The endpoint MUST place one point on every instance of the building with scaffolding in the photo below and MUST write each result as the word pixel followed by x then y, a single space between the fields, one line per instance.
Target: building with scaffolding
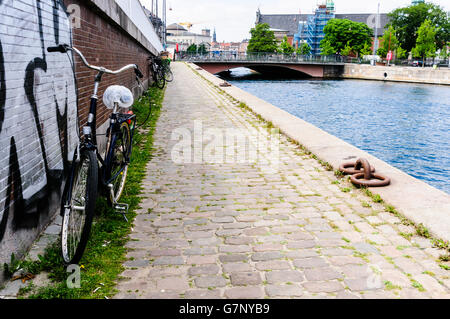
pixel 311 32
pixel 308 28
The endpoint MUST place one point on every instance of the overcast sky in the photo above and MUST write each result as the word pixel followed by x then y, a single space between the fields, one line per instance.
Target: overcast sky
pixel 234 18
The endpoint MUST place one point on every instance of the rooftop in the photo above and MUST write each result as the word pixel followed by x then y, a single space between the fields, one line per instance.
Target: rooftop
pixel 176 26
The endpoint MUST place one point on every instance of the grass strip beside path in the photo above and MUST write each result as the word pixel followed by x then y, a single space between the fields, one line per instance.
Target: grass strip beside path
pixel 102 262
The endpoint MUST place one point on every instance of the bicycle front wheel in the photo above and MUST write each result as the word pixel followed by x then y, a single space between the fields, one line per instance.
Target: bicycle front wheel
pixel 121 152
pixel 168 74
pixel 160 79
pixel 79 207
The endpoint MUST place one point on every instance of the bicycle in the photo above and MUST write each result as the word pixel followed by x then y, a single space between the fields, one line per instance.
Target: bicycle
pixel 168 75
pixel 159 78
pixel 86 175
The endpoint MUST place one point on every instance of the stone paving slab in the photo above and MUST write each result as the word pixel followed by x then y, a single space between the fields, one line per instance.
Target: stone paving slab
pixel 49 236
pixel 231 228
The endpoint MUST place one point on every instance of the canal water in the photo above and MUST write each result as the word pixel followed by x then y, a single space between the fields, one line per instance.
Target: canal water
pixel 406 125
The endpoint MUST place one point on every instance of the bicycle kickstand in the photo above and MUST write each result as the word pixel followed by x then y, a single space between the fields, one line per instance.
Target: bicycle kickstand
pixel 120 208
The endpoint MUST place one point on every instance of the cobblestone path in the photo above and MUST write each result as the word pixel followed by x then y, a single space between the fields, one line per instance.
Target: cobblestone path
pixel 244 230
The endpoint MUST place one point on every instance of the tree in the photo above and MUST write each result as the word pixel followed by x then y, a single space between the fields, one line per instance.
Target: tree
pixel 389 42
pixel 401 53
pixel 304 49
pixel 327 48
pixel 367 49
pixel 286 47
pixel 426 42
pixel 406 21
pixel 262 40
pixel 347 50
pixel 192 48
pixel 445 52
pixel 345 36
pixel 382 52
pixel 202 49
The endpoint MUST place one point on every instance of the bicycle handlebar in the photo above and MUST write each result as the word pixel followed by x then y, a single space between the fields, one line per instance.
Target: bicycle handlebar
pixel 60 48
pixel 63 48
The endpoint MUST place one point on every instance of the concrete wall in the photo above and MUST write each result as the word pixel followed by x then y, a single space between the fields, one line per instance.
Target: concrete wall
pixel 43 101
pixel 400 74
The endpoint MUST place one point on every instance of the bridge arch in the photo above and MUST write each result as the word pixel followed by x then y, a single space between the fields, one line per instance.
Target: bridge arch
pixel 306 70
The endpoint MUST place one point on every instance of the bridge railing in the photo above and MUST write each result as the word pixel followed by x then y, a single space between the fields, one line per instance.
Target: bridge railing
pixel 257 57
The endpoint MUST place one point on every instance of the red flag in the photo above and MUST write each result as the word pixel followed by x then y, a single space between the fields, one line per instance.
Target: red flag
pixel 389 56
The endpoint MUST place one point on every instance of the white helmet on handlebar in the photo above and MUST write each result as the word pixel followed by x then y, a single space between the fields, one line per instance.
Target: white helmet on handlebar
pixel 118 94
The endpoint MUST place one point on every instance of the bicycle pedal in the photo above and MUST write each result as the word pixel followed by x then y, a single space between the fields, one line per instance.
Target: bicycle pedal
pixel 121 209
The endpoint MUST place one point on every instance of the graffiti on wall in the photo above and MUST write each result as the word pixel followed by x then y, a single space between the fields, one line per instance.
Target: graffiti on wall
pixel 38 109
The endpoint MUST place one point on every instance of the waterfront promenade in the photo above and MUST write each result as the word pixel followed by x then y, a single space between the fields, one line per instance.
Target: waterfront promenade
pixel 279 227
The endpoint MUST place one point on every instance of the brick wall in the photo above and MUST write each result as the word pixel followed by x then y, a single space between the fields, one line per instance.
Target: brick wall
pixel 43 102
pixel 105 44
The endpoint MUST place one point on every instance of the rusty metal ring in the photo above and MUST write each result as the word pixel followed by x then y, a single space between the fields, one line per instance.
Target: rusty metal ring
pixel 362 162
pixel 377 181
pixel 349 169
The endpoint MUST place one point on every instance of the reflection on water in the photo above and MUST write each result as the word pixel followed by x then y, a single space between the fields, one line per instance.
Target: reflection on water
pixel 404 124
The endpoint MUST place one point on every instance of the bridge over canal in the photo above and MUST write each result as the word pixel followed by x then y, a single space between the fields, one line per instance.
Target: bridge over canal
pixel 306 66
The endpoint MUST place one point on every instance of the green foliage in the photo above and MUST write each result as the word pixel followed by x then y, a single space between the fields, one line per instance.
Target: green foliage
pixel 262 40
pixel 347 50
pixel 327 48
pixel 407 21
pixel 304 49
pixel 426 41
pixel 192 48
pixel 286 47
pixel 367 49
pixel 401 53
pixel 202 49
pixel 422 231
pixel 389 41
pixel 382 52
pixel 345 36
pixel 444 54
pixel 13 266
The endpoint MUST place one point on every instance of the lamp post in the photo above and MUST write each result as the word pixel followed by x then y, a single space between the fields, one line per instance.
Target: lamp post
pixel 375 42
pixel 165 24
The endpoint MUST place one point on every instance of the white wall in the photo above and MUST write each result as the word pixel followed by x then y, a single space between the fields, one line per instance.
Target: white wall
pixel 134 10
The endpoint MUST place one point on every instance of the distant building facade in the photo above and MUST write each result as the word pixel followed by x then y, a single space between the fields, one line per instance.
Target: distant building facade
pixel 243 47
pixel 225 47
pixel 179 37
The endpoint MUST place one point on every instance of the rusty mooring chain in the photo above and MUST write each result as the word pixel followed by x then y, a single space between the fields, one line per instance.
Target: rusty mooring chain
pixel 363 174
pixel 224 84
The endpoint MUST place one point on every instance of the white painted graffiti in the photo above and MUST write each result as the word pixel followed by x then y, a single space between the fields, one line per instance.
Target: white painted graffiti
pixel 38 107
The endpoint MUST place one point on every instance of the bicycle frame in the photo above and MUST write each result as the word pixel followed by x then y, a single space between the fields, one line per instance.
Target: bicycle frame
pixel 90 130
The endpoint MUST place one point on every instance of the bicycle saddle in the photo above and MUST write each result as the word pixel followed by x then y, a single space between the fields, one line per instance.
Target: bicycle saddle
pixel 117 94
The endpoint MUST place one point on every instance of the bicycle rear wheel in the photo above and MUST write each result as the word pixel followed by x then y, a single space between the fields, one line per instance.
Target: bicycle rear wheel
pixel 120 151
pixel 79 207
